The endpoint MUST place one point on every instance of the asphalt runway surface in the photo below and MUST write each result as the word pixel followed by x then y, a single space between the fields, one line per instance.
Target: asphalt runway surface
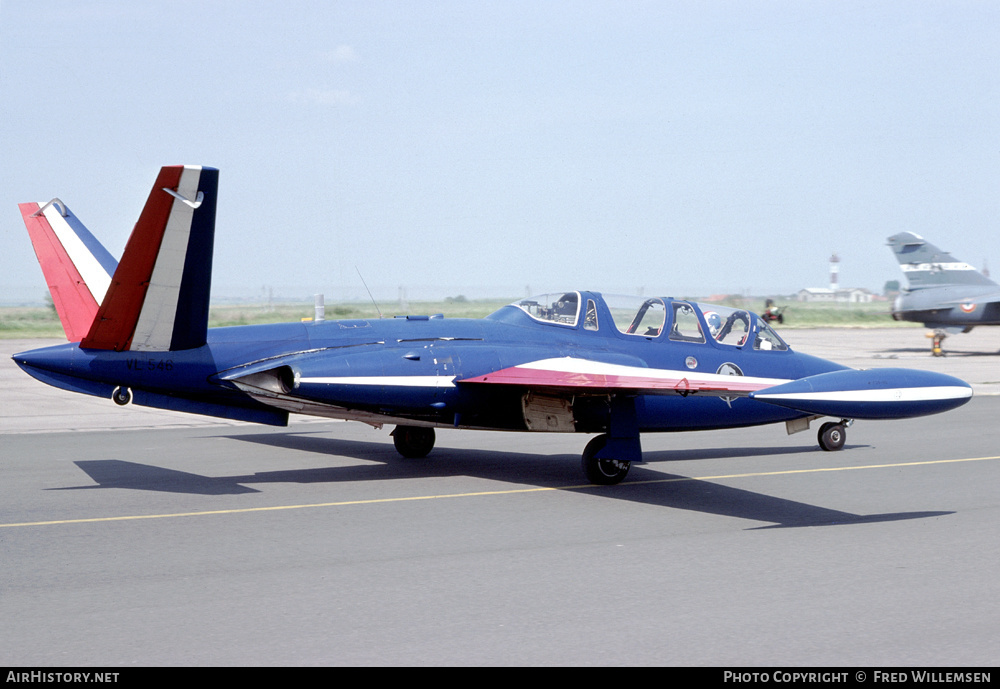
pixel 132 537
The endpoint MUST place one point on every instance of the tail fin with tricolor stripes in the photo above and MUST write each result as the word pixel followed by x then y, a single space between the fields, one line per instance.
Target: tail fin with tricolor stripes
pixel 76 266
pixel 156 297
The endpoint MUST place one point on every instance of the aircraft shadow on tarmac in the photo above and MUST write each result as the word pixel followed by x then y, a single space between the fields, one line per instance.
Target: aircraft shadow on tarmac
pixel 643 486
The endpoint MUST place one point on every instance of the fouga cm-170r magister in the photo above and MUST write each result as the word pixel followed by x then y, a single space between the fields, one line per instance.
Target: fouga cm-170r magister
pixel 574 361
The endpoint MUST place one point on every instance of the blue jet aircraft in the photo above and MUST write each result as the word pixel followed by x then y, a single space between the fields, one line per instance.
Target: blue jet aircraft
pixel 946 295
pixel 574 362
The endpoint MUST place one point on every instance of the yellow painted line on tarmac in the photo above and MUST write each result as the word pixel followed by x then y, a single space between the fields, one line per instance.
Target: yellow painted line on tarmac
pixel 274 508
pixel 512 491
pixel 816 470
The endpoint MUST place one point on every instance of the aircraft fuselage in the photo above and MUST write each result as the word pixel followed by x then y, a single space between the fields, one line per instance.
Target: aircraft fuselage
pixel 405 369
pixel 562 362
pixel 953 306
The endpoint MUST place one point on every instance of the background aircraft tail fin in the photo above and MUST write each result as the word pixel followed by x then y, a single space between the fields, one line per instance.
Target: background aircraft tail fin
pixel 158 296
pixel 76 266
pixel 925 265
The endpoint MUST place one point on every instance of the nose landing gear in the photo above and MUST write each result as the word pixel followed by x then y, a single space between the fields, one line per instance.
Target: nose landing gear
pixel 937 337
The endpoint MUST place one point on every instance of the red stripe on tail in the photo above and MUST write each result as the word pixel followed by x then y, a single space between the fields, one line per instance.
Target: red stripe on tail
pixel 70 295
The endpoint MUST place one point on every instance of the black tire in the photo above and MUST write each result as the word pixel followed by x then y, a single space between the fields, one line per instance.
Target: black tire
pixel 602 472
pixel 413 442
pixel 832 436
pixel 121 396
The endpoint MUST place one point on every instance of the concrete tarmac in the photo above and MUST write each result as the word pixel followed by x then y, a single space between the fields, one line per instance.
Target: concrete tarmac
pixel 152 538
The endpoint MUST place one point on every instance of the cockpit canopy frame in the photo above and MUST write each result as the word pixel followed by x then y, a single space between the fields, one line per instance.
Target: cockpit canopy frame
pixel 653 318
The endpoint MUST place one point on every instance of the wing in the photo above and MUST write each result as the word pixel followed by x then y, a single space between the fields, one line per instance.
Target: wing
pixel 882 393
pixel 584 376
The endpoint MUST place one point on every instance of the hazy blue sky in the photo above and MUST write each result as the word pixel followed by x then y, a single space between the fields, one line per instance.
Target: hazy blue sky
pixel 481 148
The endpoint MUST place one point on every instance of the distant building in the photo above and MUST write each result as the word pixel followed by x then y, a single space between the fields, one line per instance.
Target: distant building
pixel 835 293
pixel 857 295
pixel 817 294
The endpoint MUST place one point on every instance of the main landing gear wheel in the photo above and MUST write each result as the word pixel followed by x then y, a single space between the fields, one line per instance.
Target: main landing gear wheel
pixel 413 442
pixel 121 396
pixel 603 472
pixel 832 436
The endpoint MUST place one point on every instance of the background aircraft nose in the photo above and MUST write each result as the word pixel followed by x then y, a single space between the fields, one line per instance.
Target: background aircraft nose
pixel 897 307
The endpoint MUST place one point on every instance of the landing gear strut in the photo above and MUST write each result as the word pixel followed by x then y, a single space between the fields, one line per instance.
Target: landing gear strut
pixel 413 442
pixel 603 472
pixel 937 337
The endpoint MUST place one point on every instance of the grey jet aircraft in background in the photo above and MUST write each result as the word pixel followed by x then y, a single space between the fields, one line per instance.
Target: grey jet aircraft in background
pixel 946 295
